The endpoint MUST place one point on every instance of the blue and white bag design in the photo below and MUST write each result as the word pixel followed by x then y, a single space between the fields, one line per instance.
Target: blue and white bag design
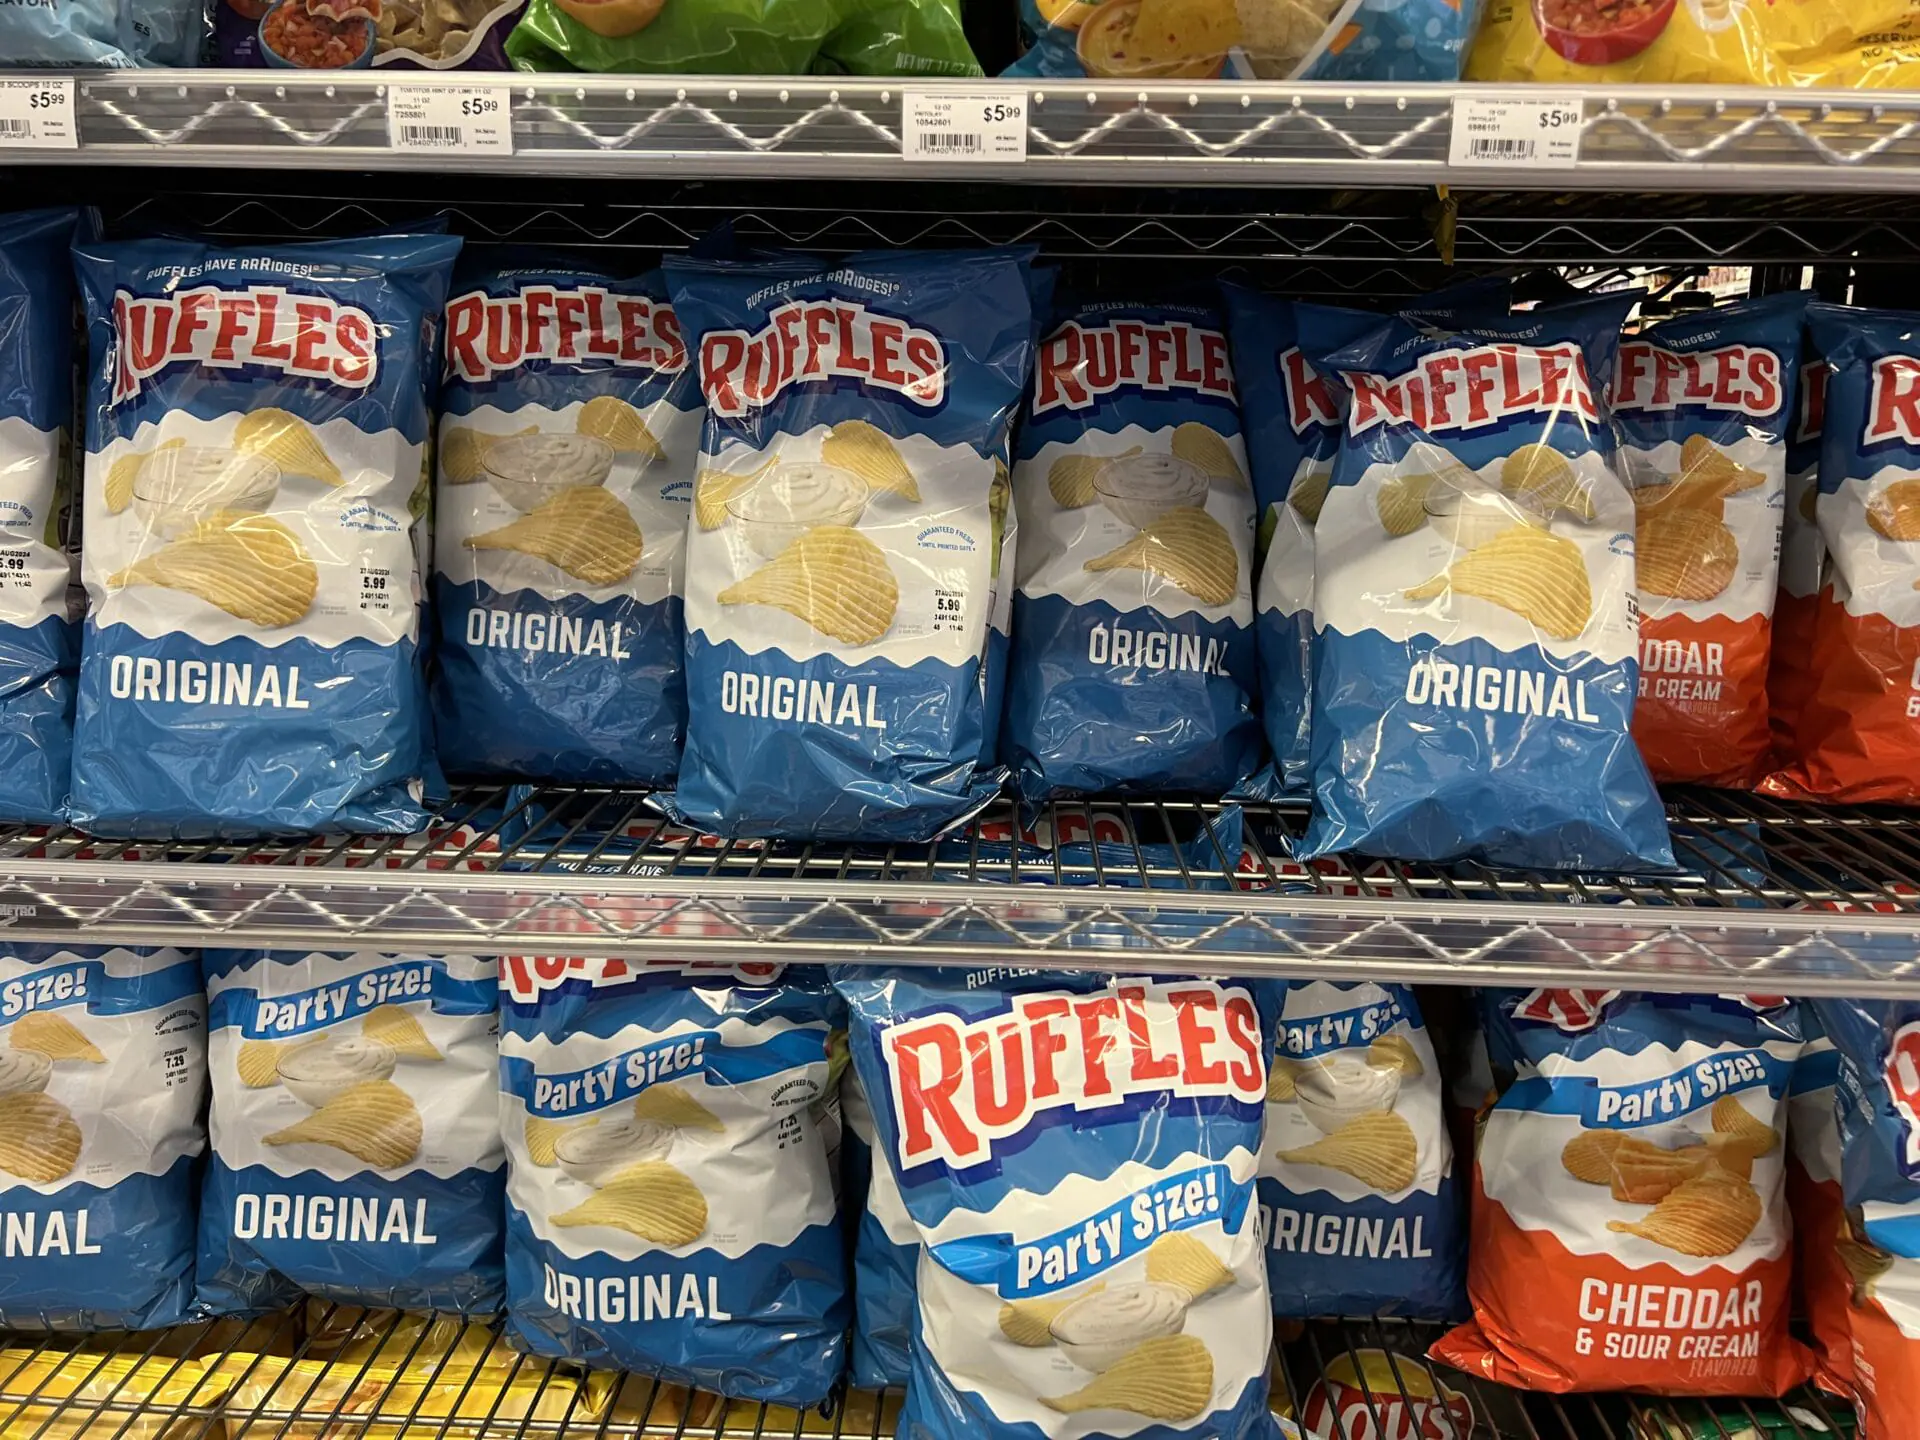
pixel 670 1198
pixel 843 540
pixel 256 465
pixel 886 1258
pixel 1077 1156
pixel 1352 1229
pixel 1476 630
pixel 39 636
pixel 1133 655
pixel 356 1149
pixel 103 1063
pixel 569 430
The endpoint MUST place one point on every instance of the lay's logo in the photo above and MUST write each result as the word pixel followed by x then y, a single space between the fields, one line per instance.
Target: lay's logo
pixel 1310 404
pixel 263 326
pixel 525 978
pixel 1078 363
pixel 1739 379
pixel 1903 1084
pixel 586 324
pixel 959 1086
pixel 1893 412
pixel 1465 389
pixel 808 340
pixel 1569 1010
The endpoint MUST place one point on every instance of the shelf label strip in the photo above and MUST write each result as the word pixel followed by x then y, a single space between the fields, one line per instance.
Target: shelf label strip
pixel 38 114
pixel 1513 132
pixel 966 127
pixel 450 119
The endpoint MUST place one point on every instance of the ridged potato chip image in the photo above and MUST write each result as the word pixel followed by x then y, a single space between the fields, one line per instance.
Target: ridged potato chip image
pixel 1865 1264
pixel 258 1063
pixel 118 491
pixel 1025 1322
pixel 39 1138
pixel 1685 555
pixel 609 418
pixel 1588 1156
pixel 542 1135
pixel 1070 478
pixel 250 566
pixel 1734 1120
pixel 288 441
pixel 832 578
pixel 376 1122
pixel 1309 493
pixel 1645 1174
pixel 1547 477
pixel 1280 1079
pixel 55 1037
pixel 863 448
pixel 1894 513
pixel 583 530
pixel 1705 465
pixel 1706 1217
pixel 393 1027
pixel 1539 576
pixel 1395 1052
pixel 1205 447
pixel 1169 1378
pixel 673 1105
pixel 1178 1258
pixel 712 489
pixel 1378 1149
pixel 651 1200
pixel 1401 502
pixel 1665 499
pixel 463 451
pixel 1187 548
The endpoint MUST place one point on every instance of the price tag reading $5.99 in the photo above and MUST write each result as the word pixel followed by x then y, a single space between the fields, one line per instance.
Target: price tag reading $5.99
pixel 449 119
pixel 38 113
pixel 982 127
pixel 1519 132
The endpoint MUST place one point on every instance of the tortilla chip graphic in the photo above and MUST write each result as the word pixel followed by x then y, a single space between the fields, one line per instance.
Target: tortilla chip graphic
pixel 609 418
pixel 1166 32
pixel 118 491
pixel 863 448
pixel 55 1037
pixel 1025 1322
pixel 375 1122
pixel 288 441
pixel 832 578
pixel 1070 478
pixel 392 1026
pixel 651 1200
pixel 39 1138
pixel 1741 1125
pixel 542 1135
pixel 674 1105
pixel 712 489
pixel 1645 1174
pixel 1280 1078
pixel 1708 1216
pixel 1187 548
pixel 1395 1052
pixel 1169 1378
pixel 250 566
pixel 1309 493
pixel 1894 513
pixel 1378 1149
pixel 1203 446
pixel 1545 476
pixel 1588 1156
pixel 1684 554
pixel 1539 576
pixel 1178 1258
pixel 583 530
pixel 258 1063
pixel 463 451
pixel 1706 466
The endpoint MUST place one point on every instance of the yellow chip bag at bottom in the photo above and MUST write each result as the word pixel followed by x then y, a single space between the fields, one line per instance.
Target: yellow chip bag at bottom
pixel 64 1395
pixel 1705 42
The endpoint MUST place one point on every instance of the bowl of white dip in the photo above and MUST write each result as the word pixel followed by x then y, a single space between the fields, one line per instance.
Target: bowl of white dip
pixel 594 1154
pixel 178 487
pixel 1468 514
pixel 526 471
pixel 1341 1088
pixel 323 1070
pixel 1139 489
pixel 23 1070
pixel 1096 1330
pixel 792 500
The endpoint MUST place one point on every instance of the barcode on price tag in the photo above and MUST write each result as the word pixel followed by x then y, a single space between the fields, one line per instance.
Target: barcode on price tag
pixel 38 113
pixel 450 119
pixel 1523 132
pixel 977 126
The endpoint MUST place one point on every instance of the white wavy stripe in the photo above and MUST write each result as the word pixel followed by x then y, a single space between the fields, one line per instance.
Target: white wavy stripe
pixel 29 467
pixel 577 1049
pixel 1754 517
pixel 1285 583
pixel 1872 574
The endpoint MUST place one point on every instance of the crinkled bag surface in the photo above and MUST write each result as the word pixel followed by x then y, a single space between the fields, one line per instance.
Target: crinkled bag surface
pixel 1822 1234
pixel 256 465
pixel 82 34
pixel 1792 668
pixel 569 434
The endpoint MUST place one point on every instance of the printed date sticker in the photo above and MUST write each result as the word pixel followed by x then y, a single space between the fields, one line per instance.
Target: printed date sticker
pixel 1515 131
pixel 38 113
pixel 450 119
pixel 981 127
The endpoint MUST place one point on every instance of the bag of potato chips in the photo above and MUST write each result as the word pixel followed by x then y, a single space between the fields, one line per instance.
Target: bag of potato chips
pixel 1701 404
pixel 1630 1228
pixel 886 1257
pixel 1823 1287
pixel 1475 655
pixel 1649 42
pixel 1791 674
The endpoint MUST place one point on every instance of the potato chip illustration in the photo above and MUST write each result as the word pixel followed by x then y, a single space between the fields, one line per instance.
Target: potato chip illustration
pixel 583 530
pixel 651 1200
pixel 1685 554
pixel 1401 502
pixel 1280 1079
pixel 55 1037
pixel 1707 1216
pixel 833 578
pixel 1378 1149
pixel 375 1121
pixel 1547 477
pixel 1705 465
pixel 1645 1174
pixel 1895 512
pixel 463 451
pixel 1309 493
pixel 258 1063
pixel 392 1026
pixel 542 1135
pixel 1865 1263
pixel 1167 1378
pixel 1650 500
pixel 1178 1258
pixel 712 489
pixel 1589 1155
pixel 1070 478
pixel 1732 1119
pixel 288 441
pixel 1732 1154
pixel 118 491
pixel 1186 547
pixel 609 418
pixel 250 566
pixel 1395 1052
pixel 1207 448
pixel 674 1105
pixel 39 1138
pixel 1539 576
pixel 1025 1322
pixel 863 448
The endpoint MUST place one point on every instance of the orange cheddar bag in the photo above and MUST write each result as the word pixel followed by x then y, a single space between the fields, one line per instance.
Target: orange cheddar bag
pixel 1822 1284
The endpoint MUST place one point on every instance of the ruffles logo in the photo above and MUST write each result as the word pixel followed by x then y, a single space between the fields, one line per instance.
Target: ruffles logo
pixel 586 326
pixel 809 340
pixel 261 327
pixel 1078 364
pixel 1740 379
pixel 1466 389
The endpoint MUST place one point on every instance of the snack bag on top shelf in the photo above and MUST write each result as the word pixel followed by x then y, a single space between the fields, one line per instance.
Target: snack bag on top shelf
pixel 845 531
pixel 1475 624
pixel 1651 42
pixel 1823 1286
pixel 1076 1153
pixel 569 434
pixel 356 1145
pixel 1630 1230
pixel 103 34
pixel 1791 667
pixel 1701 405
pixel 256 464
pixel 1133 657
pixel 354 34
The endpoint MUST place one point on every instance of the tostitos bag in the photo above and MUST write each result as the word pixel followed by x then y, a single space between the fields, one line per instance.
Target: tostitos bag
pixel 1702 407
pixel 1630 1227
pixel 1475 653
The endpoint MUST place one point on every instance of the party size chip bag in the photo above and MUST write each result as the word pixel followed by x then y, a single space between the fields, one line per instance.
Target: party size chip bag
pixel 1702 406
pixel 356 1148
pixel 886 1258
pixel 1077 1155
pixel 1475 624
pixel 846 528
pixel 102 1072
pixel 670 1196
pixel 568 435
pixel 1133 655
pixel 256 466
pixel 1630 1227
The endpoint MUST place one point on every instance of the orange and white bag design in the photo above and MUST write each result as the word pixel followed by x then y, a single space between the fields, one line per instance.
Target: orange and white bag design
pixel 1630 1227
pixel 1822 1283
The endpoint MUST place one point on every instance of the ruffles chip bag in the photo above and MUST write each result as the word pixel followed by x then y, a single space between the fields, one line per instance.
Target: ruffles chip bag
pixel 886 1258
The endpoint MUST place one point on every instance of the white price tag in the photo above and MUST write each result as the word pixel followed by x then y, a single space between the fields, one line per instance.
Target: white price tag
pixel 450 119
pixel 978 127
pixel 38 113
pixel 1516 131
